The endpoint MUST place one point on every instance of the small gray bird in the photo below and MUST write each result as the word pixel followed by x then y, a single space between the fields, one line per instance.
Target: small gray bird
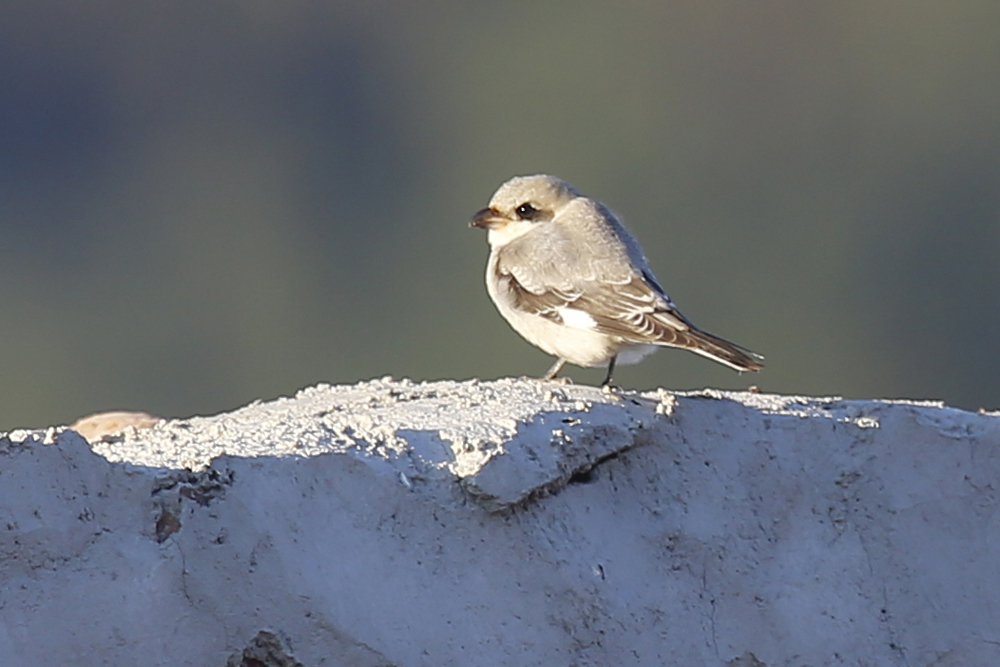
pixel 568 277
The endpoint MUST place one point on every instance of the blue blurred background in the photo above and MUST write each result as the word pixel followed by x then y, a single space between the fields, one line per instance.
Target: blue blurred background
pixel 206 203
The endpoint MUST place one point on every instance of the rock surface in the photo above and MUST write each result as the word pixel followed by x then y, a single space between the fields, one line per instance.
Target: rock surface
pixel 508 523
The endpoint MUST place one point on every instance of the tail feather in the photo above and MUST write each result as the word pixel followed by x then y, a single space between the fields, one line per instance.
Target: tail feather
pixel 720 350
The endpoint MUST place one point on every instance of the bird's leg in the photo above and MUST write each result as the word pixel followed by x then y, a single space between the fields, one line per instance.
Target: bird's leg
pixel 554 371
pixel 611 370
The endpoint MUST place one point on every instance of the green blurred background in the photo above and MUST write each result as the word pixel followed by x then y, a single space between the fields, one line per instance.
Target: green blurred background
pixel 206 203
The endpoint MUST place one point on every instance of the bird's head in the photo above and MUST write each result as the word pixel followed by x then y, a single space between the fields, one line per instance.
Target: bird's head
pixel 521 203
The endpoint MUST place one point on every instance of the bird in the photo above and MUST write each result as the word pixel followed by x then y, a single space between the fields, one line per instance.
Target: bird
pixel 570 279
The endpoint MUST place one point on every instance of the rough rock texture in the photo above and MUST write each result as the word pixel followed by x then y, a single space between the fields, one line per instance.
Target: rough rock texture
pixel 508 523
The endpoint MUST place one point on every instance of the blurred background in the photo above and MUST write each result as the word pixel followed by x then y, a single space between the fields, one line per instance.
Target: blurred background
pixel 202 204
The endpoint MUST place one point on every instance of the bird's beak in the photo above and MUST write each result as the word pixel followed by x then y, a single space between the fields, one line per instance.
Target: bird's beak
pixel 488 218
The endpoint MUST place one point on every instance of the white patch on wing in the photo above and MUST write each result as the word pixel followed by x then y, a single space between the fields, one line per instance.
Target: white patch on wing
pixel 578 319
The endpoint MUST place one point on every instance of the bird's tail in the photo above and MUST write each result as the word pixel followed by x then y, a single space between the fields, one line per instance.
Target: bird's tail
pixel 715 348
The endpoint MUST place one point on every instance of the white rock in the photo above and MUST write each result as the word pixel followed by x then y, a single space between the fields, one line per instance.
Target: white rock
pixel 508 523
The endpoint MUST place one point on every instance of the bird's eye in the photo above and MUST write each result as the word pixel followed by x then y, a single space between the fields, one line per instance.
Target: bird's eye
pixel 526 211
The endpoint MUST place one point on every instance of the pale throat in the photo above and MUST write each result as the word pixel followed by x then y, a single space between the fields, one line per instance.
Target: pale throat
pixel 501 236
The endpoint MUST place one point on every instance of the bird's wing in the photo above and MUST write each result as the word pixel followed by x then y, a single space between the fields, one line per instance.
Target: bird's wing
pixel 547 271
pixel 549 276
pixel 631 311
